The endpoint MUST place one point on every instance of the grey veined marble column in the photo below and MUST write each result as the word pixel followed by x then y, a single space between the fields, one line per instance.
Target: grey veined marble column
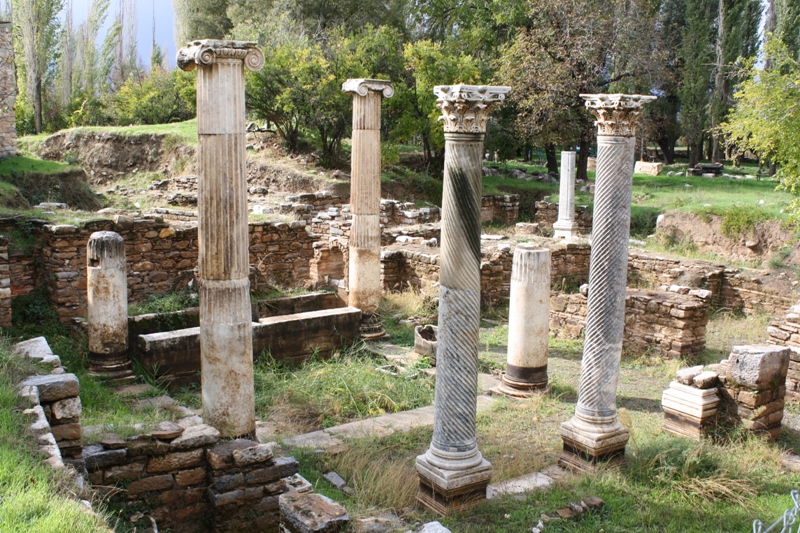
pixel 528 323
pixel 566 227
pixel 595 433
pixel 364 271
pixel 107 307
pixel 226 336
pixel 453 473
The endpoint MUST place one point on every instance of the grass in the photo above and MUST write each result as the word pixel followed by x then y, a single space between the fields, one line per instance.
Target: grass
pixel 180 132
pixel 417 185
pixel 165 303
pixel 397 307
pixel 327 393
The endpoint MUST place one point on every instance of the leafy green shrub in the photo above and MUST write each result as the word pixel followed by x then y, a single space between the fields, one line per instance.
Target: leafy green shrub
pixel 33 309
pixel 165 303
pixel 157 98
pixel 643 220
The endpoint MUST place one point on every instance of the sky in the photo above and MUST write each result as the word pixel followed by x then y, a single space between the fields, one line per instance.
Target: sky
pixel 164 21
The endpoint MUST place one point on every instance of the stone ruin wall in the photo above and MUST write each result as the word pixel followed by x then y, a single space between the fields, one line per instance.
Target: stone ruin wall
pixel 673 324
pixel 785 331
pixel 8 94
pixel 5 285
pixel 546 214
pixel 500 207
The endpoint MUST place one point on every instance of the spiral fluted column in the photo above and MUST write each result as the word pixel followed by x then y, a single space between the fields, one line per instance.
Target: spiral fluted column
pixel 453 473
pixel 226 335
pixel 107 306
pixel 528 323
pixel 364 272
pixel 595 433
pixel 566 227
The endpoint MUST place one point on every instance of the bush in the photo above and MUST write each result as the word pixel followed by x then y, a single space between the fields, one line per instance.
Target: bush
pixel 158 98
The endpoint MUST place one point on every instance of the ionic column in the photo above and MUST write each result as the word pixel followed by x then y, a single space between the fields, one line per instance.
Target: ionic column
pixel 565 227
pixel 528 322
pixel 364 270
pixel 226 345
pixel 107 306
pixel 595 433
pixel 453 473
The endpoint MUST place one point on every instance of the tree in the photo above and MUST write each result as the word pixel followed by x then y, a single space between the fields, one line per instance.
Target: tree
pixel 562 53
pixel 153 99
pixel 201 19
pixel 36 28
pixel 766 117
pixel 697 53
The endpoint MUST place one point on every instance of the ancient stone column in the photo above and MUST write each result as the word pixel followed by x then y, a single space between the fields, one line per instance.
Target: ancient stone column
pixel 107 304
pixel 595 433
pixel 226 345
pixel 453 473
pixel 566 227
pixel 365 201
pixel 528 322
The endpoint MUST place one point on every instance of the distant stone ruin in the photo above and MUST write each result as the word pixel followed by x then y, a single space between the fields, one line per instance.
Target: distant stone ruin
pixel 8 93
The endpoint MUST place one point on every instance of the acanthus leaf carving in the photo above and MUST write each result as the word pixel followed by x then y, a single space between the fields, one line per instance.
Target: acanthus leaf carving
pixel 465 108
pixel 617 114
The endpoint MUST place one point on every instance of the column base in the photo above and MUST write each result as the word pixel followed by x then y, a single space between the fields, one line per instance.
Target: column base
pixel 114 368
pixel 519 389
pixel 447 491
pixel 371 328
pixel 587 446
pixel 565 230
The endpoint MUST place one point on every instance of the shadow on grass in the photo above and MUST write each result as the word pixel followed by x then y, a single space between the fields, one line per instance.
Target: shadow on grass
pixel 644 405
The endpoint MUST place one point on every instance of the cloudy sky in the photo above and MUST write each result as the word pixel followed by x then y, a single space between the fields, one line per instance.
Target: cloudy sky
pixel 146 10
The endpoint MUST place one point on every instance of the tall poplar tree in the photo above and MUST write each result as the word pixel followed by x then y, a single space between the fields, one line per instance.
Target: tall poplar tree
pixel 201 19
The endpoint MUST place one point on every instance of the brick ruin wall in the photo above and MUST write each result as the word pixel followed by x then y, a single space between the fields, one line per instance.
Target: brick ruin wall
pixel 670 323
pixel 8 94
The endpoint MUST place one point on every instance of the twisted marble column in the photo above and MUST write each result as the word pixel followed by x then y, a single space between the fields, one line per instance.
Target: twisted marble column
pixel 566 227
pixel 107 307
pixel 453 473
pixel 364 272
pixel 528 323
pixel 595 433
pixel 226 336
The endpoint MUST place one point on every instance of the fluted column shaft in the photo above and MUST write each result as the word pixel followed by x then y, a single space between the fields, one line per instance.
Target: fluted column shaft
pixel 566 227
pixel 595 432
pixel 364 270
pixel 107 306
pixel 453 472
pixel 528 322
pixel 226 338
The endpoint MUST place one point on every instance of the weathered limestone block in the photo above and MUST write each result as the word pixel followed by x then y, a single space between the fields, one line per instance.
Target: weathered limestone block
pixel 311 513
pixel 54 387
pixel 758 367
pixel 651 169
pixel 689 411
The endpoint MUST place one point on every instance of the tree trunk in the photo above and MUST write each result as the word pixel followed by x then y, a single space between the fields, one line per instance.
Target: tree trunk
pixel 695 153
pixel 668 147
pixel 552 161
pixel 717 154
pixel 583 159
pixel 37 106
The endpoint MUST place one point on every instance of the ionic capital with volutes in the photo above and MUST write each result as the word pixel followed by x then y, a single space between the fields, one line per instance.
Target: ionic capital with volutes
pixel 361 86
pixel 208 51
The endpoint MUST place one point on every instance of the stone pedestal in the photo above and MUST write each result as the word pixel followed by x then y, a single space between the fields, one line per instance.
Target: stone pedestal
pixel 528 323
pixel 226 346
pixel 453 473
pixel 364 271
pixel 595 434
pixel 566 227
pixel 107 306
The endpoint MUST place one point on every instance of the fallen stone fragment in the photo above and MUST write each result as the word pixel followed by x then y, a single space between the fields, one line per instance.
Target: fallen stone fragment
pixel 434 527
pixel 312 513
pixel 706 380
pixel 687 375
pixel 54 387
pixel 259 453
pixel 196 436
pixel 336 480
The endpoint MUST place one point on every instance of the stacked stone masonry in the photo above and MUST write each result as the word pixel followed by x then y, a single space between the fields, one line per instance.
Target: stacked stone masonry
pixel 8 94
pixel 5 284
pixel 52 402
pixel 691 402
pixel 499 207
pixel 194 482
pixel 671 323
pixel 785 331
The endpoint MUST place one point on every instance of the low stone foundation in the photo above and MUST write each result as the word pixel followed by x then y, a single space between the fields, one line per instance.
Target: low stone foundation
pixel 501 207
pixel 785 331
pixel 670 323
pixel 547 214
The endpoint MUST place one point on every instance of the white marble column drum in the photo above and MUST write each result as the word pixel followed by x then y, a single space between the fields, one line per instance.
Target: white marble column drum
pixel 226 345
pixel 453 473
pixel 364 271
pixel 566 227
pixel 595 433
pixel 528 323
pixel 107 307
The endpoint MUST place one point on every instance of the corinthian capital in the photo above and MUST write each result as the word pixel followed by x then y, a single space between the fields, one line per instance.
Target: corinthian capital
pixel 616 114
pixel 361 86
pixel 465 108
pixel 209 51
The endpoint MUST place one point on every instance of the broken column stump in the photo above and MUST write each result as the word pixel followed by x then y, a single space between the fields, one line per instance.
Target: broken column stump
pixel 754 387
pixel 107 307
